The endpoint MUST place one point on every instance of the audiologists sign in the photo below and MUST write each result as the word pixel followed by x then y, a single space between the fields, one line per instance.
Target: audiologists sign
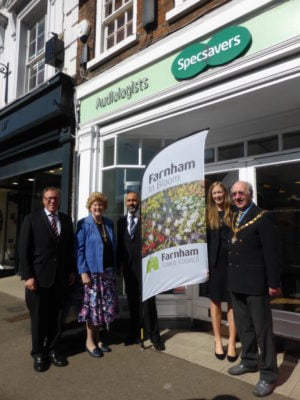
pixel 223 47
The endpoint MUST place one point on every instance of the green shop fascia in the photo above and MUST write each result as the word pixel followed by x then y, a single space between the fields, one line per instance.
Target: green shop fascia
pixel 223 47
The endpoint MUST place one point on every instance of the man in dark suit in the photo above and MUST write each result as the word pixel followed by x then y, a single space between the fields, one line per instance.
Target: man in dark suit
pixel 130 260
pixel 47 264
pixel 254 276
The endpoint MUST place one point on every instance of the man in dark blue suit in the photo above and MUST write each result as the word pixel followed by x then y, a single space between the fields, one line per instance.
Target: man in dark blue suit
pixel 253 276
pixel 130 259
pixel 47 264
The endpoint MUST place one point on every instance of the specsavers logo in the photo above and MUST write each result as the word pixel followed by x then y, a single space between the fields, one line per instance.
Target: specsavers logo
pixel 225 46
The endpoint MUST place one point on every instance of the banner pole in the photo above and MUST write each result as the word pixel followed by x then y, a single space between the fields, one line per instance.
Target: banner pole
pixel 142 328
pixel 142 324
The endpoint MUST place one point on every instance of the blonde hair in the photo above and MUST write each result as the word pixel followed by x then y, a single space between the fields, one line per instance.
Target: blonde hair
pixel 96 196
pixel 212 216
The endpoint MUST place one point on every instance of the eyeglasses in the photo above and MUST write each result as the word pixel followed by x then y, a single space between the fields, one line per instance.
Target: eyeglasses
pixel 49 199
pixel 243 194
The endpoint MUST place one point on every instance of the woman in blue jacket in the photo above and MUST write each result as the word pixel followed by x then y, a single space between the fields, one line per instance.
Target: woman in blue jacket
pixel 96 263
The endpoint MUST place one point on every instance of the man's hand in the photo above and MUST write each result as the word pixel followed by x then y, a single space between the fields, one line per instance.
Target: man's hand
pixel 30 284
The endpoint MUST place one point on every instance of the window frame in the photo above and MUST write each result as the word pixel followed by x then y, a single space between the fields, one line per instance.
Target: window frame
pixel 101 54
pixel 35 62
pixel 181 7
pixel 34 12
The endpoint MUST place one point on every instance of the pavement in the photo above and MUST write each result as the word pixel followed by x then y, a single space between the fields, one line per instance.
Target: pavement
pixel 186 370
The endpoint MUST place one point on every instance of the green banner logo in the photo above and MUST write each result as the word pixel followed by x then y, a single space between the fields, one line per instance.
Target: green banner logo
pixel 152 264
pixel 225 46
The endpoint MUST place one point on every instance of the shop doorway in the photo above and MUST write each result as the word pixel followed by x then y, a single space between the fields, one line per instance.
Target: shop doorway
pixel 20 195
pixel 278 190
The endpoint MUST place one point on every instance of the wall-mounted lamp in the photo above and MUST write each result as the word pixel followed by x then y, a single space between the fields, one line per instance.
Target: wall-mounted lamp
pixel 83 30
pixel 4 69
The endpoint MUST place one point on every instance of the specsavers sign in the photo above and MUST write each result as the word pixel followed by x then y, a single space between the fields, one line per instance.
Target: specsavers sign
pixel 225 46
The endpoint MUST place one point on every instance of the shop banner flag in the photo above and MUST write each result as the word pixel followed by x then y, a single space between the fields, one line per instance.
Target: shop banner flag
pixel 174 250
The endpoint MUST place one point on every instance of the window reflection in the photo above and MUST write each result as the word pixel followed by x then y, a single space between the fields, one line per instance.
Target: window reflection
pixel 279 191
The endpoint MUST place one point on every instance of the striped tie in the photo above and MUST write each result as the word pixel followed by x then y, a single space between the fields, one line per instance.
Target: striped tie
pixel 131 225
pixel 54 226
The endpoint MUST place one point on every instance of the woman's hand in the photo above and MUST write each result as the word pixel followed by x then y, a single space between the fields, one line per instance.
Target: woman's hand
pixel 86 280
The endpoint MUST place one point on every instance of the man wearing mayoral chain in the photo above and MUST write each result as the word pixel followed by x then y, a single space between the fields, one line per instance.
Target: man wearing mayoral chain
pixel 254 276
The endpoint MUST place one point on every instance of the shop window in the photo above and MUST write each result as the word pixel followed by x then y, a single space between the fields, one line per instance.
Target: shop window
pixel 231 152
pixel 150 148
pixel 20 195
pixel 291 140
pixel 209 156
pixel 116 182
pixel 127 151
pixel 115 27
pixel 262 146
pixel 108 152
pixel 278 190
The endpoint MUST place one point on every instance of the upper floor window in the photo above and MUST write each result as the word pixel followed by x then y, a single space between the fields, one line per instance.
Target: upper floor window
pixel 118 22
pixel 182 7
pixel 31 35
pixel 36 54
pixel 178 2
pixel 115 27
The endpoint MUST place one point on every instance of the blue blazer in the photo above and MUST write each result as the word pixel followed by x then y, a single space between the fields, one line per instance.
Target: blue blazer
pixel 89 245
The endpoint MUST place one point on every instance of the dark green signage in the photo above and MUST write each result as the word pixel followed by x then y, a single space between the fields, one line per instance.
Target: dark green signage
pixel 225 46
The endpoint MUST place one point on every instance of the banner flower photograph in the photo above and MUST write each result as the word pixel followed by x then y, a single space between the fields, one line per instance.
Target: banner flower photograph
pixel 174 217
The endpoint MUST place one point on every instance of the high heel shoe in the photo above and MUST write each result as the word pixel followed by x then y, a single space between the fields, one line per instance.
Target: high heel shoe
pixel 232 358
pixel 220 356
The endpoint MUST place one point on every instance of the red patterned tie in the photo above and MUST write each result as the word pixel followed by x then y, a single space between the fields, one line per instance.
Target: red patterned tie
pixel 54 226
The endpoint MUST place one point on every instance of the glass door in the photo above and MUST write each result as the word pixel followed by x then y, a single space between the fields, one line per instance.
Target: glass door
pixel 278 190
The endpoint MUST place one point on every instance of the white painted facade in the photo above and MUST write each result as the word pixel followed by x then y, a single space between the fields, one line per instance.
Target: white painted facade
pixel 16 18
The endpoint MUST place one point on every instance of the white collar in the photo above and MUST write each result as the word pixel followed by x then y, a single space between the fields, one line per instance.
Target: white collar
pixel 48 213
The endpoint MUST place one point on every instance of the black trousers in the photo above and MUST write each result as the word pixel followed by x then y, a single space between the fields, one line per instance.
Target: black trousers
pixel 253 319
pixel 45 307
pixel 147 315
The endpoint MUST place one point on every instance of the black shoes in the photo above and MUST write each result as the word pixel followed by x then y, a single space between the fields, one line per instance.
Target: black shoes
pixel 105 349
pixel 41 363
pixel 96 352
pixel 241 369
pixel 58 360
pixel 159 346
pixel 263 388
pixel 220 356
pixel 232 358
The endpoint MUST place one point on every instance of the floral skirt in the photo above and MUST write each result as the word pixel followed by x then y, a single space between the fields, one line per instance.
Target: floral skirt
pixel 100 299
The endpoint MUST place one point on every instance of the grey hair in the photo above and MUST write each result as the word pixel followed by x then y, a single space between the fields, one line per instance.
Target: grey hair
pixel 248 186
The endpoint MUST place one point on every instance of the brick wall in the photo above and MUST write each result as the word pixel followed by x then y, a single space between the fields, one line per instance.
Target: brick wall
pixel 87 10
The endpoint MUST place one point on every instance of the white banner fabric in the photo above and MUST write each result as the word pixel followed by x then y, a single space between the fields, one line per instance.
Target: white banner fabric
pixel 174 249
